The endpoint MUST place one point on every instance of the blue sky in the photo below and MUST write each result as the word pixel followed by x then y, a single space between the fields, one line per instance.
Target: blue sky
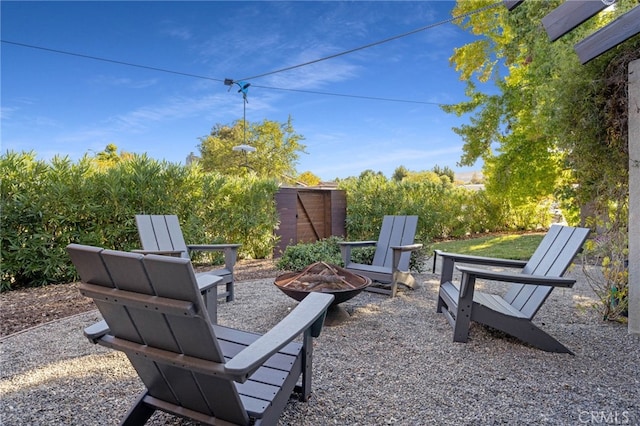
pixel 56 104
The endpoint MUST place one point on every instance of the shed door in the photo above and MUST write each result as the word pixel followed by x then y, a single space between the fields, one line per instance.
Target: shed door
pixel 314 216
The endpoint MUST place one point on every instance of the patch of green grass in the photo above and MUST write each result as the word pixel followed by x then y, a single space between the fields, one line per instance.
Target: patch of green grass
pixel 507 246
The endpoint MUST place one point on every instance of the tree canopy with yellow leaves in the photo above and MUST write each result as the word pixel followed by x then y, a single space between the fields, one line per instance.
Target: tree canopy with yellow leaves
pixel 553 127
pixel 277 149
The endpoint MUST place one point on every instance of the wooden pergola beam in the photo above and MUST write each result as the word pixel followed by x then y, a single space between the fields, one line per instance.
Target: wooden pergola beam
pixel 634 197
pixel 569 15
pixel 512 4
pixel 623 28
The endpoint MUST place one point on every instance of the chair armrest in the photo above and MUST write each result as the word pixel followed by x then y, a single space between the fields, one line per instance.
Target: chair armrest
pixel 397 254
pixel 230 252
pixel 213 247
pixel 517 277
pixel 207 281
pixel 481 260
pixel 358 243
pixel 96 331
pixel 449 260
pixel 346 246
pixel 309 314
pixel 409 247
pixel 174 253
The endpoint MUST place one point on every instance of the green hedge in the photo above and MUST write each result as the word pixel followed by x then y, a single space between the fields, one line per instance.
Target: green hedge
pixel 444 210
pixel 47 205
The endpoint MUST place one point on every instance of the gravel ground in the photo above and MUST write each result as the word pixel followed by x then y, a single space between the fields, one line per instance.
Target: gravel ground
pixel 391 362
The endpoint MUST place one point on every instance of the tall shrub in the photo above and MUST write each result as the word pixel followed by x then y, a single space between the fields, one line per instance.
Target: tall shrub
pixel 241 210
pixel 444 210
pixel 46 206
pixel 369 198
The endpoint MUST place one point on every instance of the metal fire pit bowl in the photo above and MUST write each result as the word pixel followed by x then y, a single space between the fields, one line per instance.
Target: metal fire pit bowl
pixel 325 278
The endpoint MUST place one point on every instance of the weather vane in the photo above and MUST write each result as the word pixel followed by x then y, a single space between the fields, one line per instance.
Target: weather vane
pixel 244 89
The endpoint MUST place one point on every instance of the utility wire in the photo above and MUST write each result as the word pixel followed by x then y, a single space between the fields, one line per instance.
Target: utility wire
pixel 205 77
pixel 366 46
pixel 374 98
pixel 113 61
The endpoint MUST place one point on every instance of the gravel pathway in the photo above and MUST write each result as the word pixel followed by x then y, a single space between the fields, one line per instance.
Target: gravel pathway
pixel 391 362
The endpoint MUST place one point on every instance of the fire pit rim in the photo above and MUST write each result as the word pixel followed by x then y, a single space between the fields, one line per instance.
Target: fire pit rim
pixel 341 295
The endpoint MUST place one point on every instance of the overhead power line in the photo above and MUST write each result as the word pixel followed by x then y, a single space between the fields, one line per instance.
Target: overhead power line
pixel 373 98
pixel 130 64
pixel 208 78
pixel 386 40
pixel 113 61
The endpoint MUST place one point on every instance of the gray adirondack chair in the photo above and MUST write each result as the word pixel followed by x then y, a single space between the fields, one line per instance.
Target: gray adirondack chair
pixel 161 234
pixel 390 265
pixel 514 312
pixel 190 366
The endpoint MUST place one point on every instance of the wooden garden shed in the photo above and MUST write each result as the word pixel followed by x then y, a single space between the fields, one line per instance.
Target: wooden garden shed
pixel 309 214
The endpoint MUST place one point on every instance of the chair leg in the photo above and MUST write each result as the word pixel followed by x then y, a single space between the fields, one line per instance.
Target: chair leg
pixel 139 413
pixel 405 278
pixel 401 277
pixel 307 364
pixel 528 332
pixel 520 328
pixel 446 272
pixel 464 308
pixel 230 294
pixel 461 327
pixel 210 297
pixel 440 306
pixel 540 339
pixel 394 289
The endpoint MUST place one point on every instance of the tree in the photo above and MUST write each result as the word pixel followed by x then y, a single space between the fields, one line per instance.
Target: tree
pixel 277 145
pixel 547 127
pixel 110 157
pixel 308 178
pixel 400 173
pixel 475 179
pixel 444 171
pixel 369 172
pixel 110 153
pixel 437 175
pixel 423 176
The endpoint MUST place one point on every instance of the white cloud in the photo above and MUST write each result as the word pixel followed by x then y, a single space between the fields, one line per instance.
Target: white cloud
pixel 125 82
pixel 314 75
pixel 221 105
pixel 174 108
pixel 179 33
pixel 7 112
pixel 173 30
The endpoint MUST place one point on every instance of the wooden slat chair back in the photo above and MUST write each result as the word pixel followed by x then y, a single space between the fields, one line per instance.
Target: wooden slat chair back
pixel 395 231
pixel 551 258
pixel 530 288
pixel 161 234
pixel 392 257
pixel 154 312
